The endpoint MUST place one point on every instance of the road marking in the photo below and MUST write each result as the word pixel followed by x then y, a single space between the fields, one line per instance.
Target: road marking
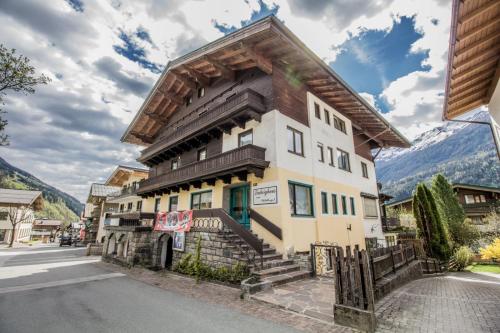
pixel 17 253
pixel 10 272
pixel 59 283
pixel 41 258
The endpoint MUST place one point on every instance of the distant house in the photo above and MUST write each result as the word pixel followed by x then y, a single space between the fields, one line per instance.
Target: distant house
pixel 474 61
pixel 95 208
pixel 124 204
pixel 22 204
pixel 44 229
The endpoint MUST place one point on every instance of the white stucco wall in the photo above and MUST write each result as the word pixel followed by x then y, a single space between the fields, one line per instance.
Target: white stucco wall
pixel 494 109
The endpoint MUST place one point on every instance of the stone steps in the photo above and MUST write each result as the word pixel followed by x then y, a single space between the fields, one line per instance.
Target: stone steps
pixel 277 270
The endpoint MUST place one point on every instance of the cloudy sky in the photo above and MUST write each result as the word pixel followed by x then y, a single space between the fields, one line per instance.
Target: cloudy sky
pixel 104 55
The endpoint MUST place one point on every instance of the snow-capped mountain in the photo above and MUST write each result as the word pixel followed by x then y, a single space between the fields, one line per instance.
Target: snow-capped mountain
pixel 463 152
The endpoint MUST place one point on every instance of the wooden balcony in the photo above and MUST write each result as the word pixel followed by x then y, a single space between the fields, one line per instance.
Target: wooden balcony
pixel 237 162
pixel 482 208
pixel 200 127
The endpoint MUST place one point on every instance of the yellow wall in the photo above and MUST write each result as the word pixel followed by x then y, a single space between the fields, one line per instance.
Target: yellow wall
pixel 298 232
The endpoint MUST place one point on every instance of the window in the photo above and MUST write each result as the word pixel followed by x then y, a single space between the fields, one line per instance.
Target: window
pixel 330 156
pixel 324 203
pixel 321 154
pixel 469 199
pixel 364 169
pixel 201 92
pixel 245 138
pixel 295 143
pixel 201 200
pixel 157 204
pixel 339 124
pixel 174 164
pixel 482 198
pixel 353 208
pixel 129 206
pixel 327 116
pixel 3 216
pixel 335 205
pixel 344 205
pixel 202 154
pixel 317 111
pixel 122 207
pixel 139 206
pixel 300 199
pixel 173 204
pixel 343 160
pixel 189 100
pixel 370 207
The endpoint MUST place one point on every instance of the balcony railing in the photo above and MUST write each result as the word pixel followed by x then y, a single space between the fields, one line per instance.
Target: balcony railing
pixel 246 101
pixel 484 207
pixel 248 158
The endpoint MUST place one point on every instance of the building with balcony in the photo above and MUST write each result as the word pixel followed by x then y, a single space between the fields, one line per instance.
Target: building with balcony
pixel 45 229
pixel 257 132
pixel 95 209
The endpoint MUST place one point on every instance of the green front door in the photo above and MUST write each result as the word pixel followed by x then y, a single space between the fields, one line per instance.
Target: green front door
pixel 239 205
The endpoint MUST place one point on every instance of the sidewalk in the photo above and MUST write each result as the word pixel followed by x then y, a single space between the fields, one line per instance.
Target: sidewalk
pixel 227 296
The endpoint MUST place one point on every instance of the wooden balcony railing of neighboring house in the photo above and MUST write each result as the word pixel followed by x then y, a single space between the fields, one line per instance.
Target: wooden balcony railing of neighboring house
pixel 482 207
pixel 237 162
pixel 390 223
pixel 197 128
pixel 126 191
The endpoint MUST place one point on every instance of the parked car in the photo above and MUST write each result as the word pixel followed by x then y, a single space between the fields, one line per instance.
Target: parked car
pixel 65 240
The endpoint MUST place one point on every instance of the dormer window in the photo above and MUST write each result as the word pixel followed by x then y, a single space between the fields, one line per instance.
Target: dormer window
pixel 189 100
pixel 201 92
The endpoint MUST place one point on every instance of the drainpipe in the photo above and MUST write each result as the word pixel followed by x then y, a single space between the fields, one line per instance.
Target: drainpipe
pixel 479 123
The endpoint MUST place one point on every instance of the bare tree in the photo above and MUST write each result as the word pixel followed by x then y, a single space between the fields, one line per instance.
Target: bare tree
pixel 18 214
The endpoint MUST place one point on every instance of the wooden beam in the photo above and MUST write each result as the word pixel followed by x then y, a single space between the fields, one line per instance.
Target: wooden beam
pixel 199 77
pixel 478 11
pixel 262 63
pixel 477 43
pixel 478 29
pixel 173 97
pixel 188 83
pixel 143 137
pixel 467 89
pixel 482 75
pixel 227 73
pixel 493 51
pixel 481 65
pixel 454 112
pixel 466 96
pixel 156 117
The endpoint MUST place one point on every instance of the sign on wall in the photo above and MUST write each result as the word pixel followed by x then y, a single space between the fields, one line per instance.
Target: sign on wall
pixel 179 241
pixel 174 221
pixel 265 194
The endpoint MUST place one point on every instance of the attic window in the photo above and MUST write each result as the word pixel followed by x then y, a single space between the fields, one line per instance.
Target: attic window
pixel 189 100
pixel 201 92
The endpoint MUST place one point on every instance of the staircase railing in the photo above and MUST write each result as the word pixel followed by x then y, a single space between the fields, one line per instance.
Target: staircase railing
pixel 264 222
pixel 254 242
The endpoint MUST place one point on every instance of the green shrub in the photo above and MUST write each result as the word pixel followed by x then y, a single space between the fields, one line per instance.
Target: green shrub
pixel 462 257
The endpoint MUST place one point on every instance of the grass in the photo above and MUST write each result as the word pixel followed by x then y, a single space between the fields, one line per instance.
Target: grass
pixel 483 268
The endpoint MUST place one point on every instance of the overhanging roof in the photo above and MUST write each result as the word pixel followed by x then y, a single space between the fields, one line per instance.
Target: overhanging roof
pixel 473 57
pixel 21 197
pixel 122 173
pixel 260 44
pixel 477 187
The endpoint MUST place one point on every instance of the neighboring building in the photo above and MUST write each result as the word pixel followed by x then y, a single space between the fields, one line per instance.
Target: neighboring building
pixel 45 229
pixel 477 202
pixel 25 203
pixel 124 204
pixel 95 209
pixel 474 61
pixel 255 130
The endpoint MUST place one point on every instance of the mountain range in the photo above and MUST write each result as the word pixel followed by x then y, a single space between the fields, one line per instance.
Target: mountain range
pixel 57 204
pixel 463 152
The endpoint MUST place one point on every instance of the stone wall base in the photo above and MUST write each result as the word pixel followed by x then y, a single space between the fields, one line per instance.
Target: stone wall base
pixel 362 320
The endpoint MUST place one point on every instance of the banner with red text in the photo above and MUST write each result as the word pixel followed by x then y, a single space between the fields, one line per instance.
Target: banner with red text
pixel 174 221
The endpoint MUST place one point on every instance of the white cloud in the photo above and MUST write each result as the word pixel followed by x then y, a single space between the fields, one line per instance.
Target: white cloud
pixel 71 128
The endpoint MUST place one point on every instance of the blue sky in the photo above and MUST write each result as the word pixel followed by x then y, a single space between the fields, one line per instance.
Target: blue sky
pixel 105 55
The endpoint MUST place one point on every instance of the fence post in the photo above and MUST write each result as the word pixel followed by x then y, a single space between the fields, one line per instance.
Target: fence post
pixel 393 263
pixel 313 260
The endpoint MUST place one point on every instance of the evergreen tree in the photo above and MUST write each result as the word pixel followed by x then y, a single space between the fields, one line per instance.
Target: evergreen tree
pixel 429 223
pixel 452 213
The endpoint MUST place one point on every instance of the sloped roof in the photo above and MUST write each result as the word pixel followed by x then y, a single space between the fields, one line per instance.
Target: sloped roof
pixel 122 173
pixel 473 56
pixel 477 187
pixel 19 197
pixel 38 222
pixel 261 44
pixel 101 190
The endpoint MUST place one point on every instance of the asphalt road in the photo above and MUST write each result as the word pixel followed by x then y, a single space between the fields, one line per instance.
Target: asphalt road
pixel 49 289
